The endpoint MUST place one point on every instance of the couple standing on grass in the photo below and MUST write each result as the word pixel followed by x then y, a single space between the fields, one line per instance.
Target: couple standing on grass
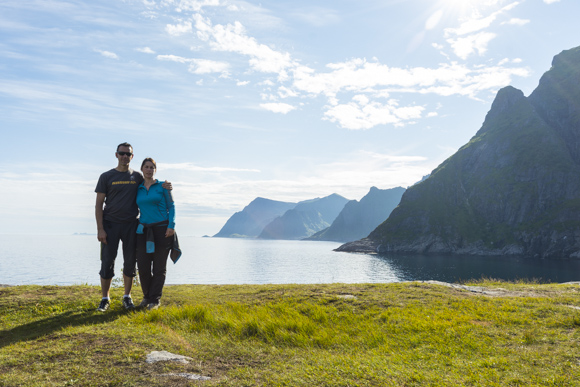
pixel 147 240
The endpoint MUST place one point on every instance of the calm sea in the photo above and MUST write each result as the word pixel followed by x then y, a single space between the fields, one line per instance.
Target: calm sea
pixel 74 259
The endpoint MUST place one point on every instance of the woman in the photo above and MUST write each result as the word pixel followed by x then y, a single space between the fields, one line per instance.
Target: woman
pixel 155 234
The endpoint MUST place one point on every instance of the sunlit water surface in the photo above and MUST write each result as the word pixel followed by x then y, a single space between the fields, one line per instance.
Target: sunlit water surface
pixel 74 259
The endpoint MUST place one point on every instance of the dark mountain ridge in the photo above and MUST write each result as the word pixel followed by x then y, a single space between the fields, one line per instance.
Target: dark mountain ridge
pixel 514 189
pixel 358 218
pixel 305 219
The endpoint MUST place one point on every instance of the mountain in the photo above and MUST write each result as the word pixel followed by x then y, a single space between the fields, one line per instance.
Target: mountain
pixel 307 218
pixel 250 222
pixel 358 219
pixel 514 189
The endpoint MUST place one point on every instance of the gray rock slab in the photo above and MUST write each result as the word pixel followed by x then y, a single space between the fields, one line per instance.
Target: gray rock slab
pixel 156 356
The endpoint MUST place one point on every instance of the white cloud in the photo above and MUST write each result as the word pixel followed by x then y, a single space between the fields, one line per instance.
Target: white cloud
pixel 108 54
pixel 206 66
pixel 283 108
pixel 377 79
pixel 285 92
pixel 198 66
pixel 233 38
pixel 194 5
pixel 361 99
pixel 477 24
pixel 145 50
pixel 173 58
pixel 471 26
pixel 268 97
pixel 372 83
pixel 464 47
pixel 507 60
pixel 551 1
pixel 469 37
pixel 361 113
pixel 242 83
pixel 178 29
pixel 517 22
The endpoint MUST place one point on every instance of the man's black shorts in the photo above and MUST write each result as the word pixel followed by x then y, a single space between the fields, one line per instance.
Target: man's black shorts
pixel 125 232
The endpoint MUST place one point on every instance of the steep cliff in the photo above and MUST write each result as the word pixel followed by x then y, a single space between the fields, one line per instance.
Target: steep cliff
pixel 514 189
pixel 305 219
pixel 358 218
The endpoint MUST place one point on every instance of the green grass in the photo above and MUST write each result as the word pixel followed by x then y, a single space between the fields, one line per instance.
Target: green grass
pixel 402 334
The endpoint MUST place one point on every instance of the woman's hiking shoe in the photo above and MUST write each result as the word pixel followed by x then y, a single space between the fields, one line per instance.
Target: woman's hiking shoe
pixel 144 303
pixel 104 305
pixel 153 305
pixel 128 303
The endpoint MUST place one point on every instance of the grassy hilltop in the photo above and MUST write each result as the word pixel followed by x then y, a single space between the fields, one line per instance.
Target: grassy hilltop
pixel 401 334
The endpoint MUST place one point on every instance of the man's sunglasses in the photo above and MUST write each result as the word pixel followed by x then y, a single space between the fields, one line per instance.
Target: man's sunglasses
pixel 125 153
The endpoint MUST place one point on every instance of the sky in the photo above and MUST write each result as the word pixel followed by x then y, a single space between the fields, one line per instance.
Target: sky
pixel 287 100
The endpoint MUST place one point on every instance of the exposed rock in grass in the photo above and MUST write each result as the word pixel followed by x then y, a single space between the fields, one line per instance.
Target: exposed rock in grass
pixel 347 296
pixel 156 356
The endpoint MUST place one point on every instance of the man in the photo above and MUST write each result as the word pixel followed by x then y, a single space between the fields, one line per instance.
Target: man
pixel 117 191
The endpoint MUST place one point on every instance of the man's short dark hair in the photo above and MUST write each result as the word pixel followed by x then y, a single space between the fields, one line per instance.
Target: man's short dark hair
pixel 124 144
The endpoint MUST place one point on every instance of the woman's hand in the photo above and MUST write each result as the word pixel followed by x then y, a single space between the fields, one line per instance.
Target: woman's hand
pixel 169 232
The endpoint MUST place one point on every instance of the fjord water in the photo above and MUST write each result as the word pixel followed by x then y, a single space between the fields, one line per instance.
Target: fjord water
pixel 74 259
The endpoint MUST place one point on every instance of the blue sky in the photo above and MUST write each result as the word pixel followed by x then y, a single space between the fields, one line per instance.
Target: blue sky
pixel 288 100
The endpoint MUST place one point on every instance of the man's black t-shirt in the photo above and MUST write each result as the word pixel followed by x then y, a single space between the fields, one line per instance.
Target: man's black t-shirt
pixel 120 189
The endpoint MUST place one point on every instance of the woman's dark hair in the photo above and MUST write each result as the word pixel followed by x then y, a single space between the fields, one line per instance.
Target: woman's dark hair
pixel 151 160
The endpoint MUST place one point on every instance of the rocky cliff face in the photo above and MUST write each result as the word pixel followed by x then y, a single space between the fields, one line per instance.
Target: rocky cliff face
pixel 514 189
pixel 358 218
pixel 305 219
pixel 250 222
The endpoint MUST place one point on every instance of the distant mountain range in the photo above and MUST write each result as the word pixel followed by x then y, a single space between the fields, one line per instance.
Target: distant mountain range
pixel 271 219
pixel 331 218
pixel 513 189
pixel 358 218
pixel 305 219
pixel 250 222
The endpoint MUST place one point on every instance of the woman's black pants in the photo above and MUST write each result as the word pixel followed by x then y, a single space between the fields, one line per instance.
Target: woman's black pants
pixel 153 266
